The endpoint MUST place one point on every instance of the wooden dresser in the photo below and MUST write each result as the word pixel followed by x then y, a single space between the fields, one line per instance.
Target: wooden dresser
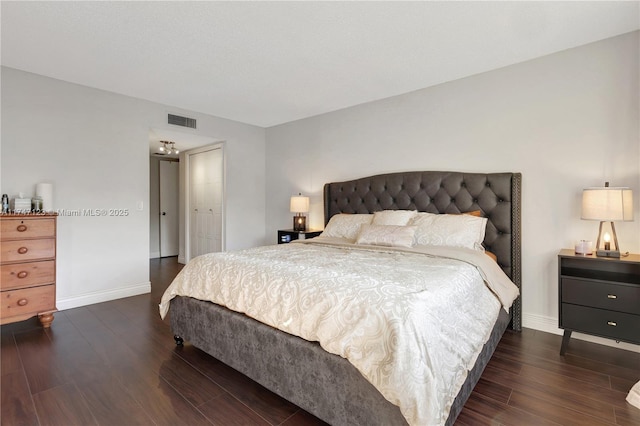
pixel 28 267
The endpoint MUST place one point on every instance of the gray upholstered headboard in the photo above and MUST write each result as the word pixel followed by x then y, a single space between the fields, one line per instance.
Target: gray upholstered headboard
pixel 496 195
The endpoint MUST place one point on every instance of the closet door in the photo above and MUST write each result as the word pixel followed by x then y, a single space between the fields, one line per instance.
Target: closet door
pixel 206 177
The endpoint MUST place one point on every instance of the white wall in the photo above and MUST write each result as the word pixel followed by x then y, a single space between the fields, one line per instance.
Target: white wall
pixel 566 121
pixel 94 147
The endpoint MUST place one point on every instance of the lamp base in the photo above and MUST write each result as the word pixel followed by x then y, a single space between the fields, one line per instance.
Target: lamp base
pixel 608 253
pixel 299 223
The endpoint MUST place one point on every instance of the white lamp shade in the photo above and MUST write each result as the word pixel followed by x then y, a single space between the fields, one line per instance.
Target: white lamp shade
pixel 607 204
pixel 299 204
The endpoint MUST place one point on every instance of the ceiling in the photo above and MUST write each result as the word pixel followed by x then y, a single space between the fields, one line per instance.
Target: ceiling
pixel 267 63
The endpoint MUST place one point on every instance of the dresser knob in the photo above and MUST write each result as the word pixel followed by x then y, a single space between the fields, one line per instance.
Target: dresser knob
pixel 22 228
pixel 612 323
pixel 22 302
pixel 23 274
pixel 23 250
pixel 611 296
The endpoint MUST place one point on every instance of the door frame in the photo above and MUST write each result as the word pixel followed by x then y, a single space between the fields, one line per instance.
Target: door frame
pixel 187 195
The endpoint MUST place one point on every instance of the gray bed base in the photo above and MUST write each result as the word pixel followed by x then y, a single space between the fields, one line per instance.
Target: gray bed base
pixel 324 384
pixel 327 385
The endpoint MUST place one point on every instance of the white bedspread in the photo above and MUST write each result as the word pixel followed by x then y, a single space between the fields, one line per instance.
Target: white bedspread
pixel 412 323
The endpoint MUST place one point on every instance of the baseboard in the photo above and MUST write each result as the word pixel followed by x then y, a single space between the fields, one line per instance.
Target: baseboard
pixel 550 325
pixel 181 260
pixel 154 255
pixel 102 296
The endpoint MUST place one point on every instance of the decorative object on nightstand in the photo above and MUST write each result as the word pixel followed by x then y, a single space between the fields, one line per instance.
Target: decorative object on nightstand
pixel 27 267
pixel 607 204
pixel 599 296
pixel 299 205
pixel 288 235
pixel 584 247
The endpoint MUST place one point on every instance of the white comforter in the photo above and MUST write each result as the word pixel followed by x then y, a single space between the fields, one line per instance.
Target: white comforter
pixel 411 322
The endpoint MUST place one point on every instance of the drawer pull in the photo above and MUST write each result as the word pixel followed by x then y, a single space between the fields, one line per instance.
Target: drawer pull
pixel 23 274
pixel 22 302
pixel 611 296
pixel 612 323
pixel 23 250
pixel 21 228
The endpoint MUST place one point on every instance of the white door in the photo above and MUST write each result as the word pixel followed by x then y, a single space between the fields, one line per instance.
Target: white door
pixel 205 201
pixel 169 208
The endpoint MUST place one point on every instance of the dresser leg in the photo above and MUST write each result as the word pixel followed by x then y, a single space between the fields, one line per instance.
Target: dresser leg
pixel 565 341
pixel 46 319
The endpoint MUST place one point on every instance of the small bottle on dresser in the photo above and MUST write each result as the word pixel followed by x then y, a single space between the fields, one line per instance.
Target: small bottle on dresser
pixel 5 203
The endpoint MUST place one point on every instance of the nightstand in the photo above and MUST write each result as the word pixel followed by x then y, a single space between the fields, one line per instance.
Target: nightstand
pixel 599 296
pixel 288 235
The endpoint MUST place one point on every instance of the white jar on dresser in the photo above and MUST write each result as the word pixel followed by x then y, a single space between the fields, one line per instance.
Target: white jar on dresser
pixel 28 267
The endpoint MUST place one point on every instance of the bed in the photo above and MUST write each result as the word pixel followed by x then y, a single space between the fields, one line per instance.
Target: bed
pixel 328 385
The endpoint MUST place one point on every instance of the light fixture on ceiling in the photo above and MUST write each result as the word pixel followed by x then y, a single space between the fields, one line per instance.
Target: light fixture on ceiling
pixel 168 148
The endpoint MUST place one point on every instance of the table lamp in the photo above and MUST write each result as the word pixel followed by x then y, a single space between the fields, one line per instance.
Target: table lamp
pixel 607 204
pixel 299 205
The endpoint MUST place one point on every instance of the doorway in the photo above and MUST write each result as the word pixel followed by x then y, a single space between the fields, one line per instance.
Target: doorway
pixel 168 221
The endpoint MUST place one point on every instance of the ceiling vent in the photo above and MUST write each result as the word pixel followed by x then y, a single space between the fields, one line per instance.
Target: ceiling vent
pixel 182 121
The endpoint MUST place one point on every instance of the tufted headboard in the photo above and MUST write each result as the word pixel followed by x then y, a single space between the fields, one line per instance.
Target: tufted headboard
pixel 496 195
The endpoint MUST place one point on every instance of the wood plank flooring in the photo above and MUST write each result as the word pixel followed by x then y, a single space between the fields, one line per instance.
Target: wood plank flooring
pixel 116 363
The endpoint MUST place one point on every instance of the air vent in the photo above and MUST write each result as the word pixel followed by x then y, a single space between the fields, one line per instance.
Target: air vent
pixel 182 121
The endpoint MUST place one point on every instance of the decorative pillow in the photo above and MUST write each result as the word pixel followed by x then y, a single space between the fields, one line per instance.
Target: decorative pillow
pixel 387 235
pixel 346 225
pixel 453 230
pixel 393 217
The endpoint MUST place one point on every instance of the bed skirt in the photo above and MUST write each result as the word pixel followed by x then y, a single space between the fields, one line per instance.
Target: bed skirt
pixel 324 384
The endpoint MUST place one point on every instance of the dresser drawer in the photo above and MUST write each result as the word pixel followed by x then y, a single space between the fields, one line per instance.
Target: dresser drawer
pixel 28 301
pixel 27 250
pixel 12 229
pixel 20 275
pixel 615 325
pixel 597 294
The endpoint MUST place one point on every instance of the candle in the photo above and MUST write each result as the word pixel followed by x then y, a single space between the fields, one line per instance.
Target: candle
pixel 607 241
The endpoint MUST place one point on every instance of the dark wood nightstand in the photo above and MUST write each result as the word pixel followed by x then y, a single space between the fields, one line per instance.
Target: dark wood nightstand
pixel 599 296
pixel 288 235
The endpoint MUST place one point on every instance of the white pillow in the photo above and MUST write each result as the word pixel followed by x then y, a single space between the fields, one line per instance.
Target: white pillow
pixel 387 235
pixel 452 230
pixel 393 217
pixel 346 225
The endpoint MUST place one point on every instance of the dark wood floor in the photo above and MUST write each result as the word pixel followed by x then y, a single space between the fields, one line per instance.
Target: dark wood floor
pixel 115 363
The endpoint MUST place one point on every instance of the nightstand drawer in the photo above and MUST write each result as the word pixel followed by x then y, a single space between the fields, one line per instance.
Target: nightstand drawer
pixel 615 325
pixel 27 301
pixel 597 294
pixel 20 275
pixel 19 251
pixel 27 228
